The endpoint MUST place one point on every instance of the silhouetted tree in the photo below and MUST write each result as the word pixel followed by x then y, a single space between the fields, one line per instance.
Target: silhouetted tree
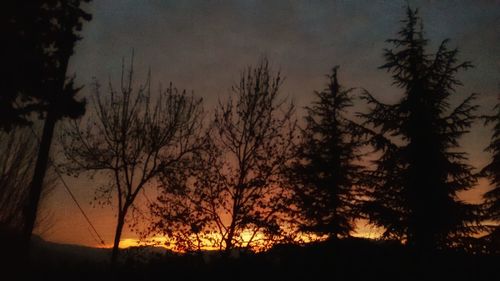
pixel 419 173
pixel 492 170
pixel 37 36
pixel 327 169
pixel 132 137
pixel 235 199
pixel 38 41
pixel 17 152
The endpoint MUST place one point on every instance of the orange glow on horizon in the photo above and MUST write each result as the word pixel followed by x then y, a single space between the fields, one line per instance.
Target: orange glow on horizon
pixel 363 230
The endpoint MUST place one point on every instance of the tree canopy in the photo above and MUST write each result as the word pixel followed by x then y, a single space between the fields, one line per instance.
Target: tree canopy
pixel 421 168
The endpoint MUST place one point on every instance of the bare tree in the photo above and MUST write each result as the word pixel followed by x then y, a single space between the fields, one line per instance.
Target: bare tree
pixel 18 152
pixel 234 199
pixel 131 137
pixel 18 149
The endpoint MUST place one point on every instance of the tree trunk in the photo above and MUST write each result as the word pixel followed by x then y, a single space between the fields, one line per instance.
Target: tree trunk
pixel 229 240
pixel 232 230
pixel 31 207
pixel 118 234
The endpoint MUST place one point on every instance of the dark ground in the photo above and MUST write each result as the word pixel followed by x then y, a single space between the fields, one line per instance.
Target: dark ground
pixel 350 259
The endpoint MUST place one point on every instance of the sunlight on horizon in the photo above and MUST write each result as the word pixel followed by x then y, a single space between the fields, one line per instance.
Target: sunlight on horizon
pixel 363 230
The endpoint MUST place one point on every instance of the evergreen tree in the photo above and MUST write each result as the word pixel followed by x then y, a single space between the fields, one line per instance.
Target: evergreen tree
pixel 492 170
pixel 40 37
pixel 420 170
pixel 326 172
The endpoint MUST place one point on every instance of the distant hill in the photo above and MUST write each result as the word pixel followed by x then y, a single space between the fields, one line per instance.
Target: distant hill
pixel 57 253
pixel 51 252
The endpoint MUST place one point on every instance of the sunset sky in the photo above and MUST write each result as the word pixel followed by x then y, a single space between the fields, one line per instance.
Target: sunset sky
pixel 203 45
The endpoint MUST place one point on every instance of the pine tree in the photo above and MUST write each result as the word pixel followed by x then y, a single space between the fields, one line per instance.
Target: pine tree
pixel 40 37
pixel 326 172
pixel 492 170
pixel 421 169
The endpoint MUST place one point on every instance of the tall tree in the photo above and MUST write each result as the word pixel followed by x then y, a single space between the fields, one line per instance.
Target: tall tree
pixel 327 170
pixel 419 173
pixel 235 199
pixel 492 170
pixel 18 150
pixel 40 38
pixel 132 137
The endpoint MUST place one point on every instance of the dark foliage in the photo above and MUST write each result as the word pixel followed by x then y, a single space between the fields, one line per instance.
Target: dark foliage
pixel 243 184
pixel 492 170
pixel 38 41
pixel 326 173
pixel 39 37
pixel 421 168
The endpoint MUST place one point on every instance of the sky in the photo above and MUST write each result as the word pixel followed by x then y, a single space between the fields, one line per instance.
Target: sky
pixel 202 46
